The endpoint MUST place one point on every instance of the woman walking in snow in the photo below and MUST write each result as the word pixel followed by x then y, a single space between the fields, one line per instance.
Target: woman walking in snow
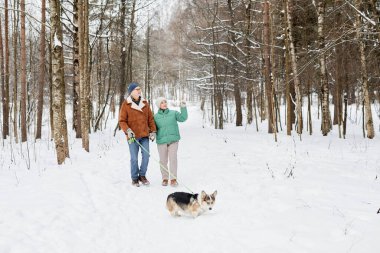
pixel 168 137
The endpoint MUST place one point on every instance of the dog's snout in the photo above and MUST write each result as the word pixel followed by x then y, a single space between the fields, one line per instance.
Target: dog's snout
pixel 210 208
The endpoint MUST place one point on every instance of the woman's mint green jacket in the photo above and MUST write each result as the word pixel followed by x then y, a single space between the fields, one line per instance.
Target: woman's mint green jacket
pixel 167 126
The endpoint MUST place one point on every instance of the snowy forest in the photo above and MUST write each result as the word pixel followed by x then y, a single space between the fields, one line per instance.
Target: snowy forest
pixel 295 78
pixel 245 59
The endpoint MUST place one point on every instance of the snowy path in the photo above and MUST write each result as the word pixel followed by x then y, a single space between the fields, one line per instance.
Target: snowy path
pixel 89 205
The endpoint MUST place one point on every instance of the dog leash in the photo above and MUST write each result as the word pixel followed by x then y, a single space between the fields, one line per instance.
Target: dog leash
pixel 131 140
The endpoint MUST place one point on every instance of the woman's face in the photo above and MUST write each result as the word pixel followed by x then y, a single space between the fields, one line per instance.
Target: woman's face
pixel 164 105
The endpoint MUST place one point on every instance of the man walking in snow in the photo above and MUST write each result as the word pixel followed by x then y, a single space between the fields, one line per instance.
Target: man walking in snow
pixel 137 122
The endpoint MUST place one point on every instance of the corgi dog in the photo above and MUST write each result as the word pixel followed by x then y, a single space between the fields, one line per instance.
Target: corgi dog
pixel 179 203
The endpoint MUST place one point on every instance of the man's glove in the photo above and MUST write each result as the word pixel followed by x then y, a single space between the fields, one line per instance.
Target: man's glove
pixel 152 136
pixel 130 133
pixel 182 104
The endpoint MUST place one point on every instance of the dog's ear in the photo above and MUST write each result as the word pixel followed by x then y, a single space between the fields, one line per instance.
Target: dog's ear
pixel 214 194
pixel 203 194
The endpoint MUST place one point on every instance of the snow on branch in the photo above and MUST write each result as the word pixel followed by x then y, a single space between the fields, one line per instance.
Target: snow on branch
pixel 362 14
pixel 194 79
pixel 208 55
pixel 100 35
pixel 210 86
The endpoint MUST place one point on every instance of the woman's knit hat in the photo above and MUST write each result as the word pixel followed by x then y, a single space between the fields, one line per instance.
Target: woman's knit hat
pixel 159 101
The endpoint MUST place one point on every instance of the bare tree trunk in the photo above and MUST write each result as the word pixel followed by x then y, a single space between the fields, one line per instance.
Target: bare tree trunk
pixel 122 70
pixel 148 65
pixel 15 70
pixel 262 100
pixel 6 74
pixel 290 94
pixel 132 28
pixel 364 76
pixel 23 74
pixel 84 75
pixel 232 35
pixel 41 79
pixel 89 64
pixel 86 89
pixel 76 87
pixel 338 109
pixel 99 64
pixel 289 7
pixel 29 82
pixel 2 75
pixel 254 110
pixel 310 124
pixel 203 100
pixel 267 68
pixel 326 120
pixel 345 114
pixel 51 86
pixel 97 122
pixel 249 102
pixel 58 89
pixel 290 107
pixel 216 100
pixel 275 110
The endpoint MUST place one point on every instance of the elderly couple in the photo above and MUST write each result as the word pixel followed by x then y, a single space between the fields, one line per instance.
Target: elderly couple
pixel 138 123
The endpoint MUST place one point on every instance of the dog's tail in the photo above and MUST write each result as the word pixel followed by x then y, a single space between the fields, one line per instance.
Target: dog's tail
pixel 170 196
pixel 170 203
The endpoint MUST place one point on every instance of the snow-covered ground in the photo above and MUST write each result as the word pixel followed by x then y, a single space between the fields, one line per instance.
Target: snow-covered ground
pixel 328 203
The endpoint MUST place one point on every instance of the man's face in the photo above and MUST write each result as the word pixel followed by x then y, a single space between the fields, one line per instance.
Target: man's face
pixel 136 93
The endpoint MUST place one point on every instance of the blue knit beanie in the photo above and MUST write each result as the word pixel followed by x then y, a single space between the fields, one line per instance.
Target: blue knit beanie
pixel 132 86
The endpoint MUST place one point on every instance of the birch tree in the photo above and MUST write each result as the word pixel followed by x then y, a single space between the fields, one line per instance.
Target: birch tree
pixel 298 108
pixel 360 30
pixel 58 83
